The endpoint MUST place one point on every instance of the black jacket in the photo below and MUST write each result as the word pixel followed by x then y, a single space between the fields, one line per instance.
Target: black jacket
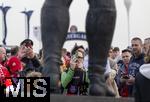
pixel 31 65
pixel 142 85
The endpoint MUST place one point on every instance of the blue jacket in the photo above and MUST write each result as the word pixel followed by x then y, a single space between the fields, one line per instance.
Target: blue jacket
pixel 135 64
pixel 133 69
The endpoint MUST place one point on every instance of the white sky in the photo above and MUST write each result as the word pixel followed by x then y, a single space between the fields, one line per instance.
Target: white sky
pixel 139 20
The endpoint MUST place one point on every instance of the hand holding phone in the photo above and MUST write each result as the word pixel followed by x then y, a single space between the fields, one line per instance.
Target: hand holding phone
pixel 28 45
pixel 125 77
pixel 73 62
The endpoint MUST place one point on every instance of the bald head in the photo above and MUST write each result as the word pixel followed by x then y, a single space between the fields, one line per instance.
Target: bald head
pixel 2 50
pixel 2 53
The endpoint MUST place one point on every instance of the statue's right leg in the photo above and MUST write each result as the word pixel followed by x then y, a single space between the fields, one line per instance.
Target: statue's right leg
pixel 54 28
pixel 100 24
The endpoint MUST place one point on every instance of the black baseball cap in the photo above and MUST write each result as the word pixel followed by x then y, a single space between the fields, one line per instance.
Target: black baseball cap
pixel 27 41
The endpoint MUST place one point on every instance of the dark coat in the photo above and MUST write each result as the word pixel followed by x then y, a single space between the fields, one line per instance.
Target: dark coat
pixel 142 88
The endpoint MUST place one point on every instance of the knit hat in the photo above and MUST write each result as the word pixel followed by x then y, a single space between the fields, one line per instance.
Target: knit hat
pixel 27 42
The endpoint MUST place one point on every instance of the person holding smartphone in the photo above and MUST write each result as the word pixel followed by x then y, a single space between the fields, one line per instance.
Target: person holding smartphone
pixel 75 81
pixel 122 75
pixel 28 57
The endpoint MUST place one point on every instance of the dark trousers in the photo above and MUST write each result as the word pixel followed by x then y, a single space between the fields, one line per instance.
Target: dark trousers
pixel 100 24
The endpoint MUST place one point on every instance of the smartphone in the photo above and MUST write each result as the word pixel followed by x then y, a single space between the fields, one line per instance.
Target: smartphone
pixel 126 77
pixel 28 45
pixel 76 54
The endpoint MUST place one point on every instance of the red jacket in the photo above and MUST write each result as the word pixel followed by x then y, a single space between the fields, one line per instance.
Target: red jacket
pixel 3 74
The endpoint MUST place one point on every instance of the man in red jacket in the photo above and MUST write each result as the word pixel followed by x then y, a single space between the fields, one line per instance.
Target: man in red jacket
pixel 4 73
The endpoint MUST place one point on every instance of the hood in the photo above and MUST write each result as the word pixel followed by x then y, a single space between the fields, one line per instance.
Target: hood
pixel 145 70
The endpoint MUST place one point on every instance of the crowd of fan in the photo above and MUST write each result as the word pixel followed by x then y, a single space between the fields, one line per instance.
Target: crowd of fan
pixel 121 68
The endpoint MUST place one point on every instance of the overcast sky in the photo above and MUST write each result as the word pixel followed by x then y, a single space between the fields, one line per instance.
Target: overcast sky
pixel 139 20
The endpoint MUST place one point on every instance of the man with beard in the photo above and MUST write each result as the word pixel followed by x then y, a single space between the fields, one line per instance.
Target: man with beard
pixel 142 79
pixel 135 62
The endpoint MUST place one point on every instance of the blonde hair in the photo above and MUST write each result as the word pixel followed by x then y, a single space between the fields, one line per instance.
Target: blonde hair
pixel 147 56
